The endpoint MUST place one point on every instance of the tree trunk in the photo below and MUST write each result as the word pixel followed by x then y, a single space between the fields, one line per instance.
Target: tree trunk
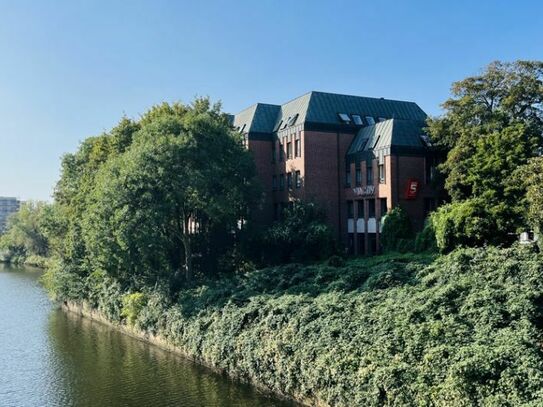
pixel 188 257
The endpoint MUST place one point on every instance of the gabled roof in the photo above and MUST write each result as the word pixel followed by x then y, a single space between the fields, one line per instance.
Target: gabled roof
pixel 389 134
pixel 323 108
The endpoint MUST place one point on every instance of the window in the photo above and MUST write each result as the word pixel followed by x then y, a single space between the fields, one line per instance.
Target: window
pixel 384 209
pixel 358 175
pixel 350 209
pixel 357 120
pixel 281 152
pixel 369 175
pixel 289 180
pixel 282 181
pixel 382 173
pixel 298 147
pixel 289 150
pixel 430 172
pixel 348 176
pixel 426 140
pixel 350 243
pixel 273 151
pixel 361 245
pixel 375 142
pixel 370 120
pixel 292 120
pixel 371 208
pixel 360 209
pixel 298 179
pixel 344 117
pixel 274 182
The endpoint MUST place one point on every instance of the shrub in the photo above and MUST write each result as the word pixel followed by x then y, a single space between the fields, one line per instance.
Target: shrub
pixel 396 234
pixel 466 223
pixel 302 234
pixel 426 239
pixel 132 304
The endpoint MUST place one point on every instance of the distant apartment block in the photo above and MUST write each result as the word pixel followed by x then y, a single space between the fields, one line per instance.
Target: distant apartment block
pixel 357 157
pixel 8 205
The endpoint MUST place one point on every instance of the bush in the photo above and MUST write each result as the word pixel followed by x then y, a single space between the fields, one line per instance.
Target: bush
pixel 426 239
pixel 132 305
pixel 466 223
pixel 396 234
pixel 301 235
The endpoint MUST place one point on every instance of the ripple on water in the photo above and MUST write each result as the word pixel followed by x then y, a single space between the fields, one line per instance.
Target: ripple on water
pixel 51 358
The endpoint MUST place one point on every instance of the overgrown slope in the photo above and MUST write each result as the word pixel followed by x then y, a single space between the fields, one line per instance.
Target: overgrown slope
pixel 464 329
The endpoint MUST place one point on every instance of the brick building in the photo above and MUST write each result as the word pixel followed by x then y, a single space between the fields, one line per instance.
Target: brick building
pixel 357 157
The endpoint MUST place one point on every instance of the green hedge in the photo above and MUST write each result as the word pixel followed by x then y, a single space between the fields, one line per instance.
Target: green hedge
pixel 463 329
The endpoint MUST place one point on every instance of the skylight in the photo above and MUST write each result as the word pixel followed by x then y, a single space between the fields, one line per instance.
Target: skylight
pixel 293 119
pixel 357 120
pixel 370 120
pixel 376 141
pixel 426 140
pixel 344 117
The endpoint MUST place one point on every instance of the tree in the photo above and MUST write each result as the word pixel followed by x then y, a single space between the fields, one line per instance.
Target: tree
pixel 186 175
pixel 302 234
pixel 532 176
pixel 492 125
pixel 26 232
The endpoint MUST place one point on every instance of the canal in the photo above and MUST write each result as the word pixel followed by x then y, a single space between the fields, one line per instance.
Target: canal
pixel 52 358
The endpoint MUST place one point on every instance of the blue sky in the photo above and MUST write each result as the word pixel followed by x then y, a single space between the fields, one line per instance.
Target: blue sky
pixel 71 69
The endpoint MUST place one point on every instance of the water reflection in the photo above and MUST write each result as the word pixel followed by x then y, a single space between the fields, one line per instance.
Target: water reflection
pixel 53 358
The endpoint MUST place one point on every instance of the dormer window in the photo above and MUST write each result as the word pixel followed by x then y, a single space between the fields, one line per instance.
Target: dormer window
pixel 426 140
pixel 370 120
pixel 357 120
pixel 344 117
pixel 292 120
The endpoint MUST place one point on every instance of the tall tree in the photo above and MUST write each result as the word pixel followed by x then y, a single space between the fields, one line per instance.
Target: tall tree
pixel 492 125
pixel 185 175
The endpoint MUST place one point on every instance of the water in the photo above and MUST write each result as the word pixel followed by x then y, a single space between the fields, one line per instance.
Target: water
pixel 52 358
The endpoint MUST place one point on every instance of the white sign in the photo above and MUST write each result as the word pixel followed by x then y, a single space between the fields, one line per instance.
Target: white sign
pixel 367 190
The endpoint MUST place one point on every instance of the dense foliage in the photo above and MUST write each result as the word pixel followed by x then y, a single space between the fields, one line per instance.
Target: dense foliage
pixel 492 125
pixel 301 234
pixel 26 236
pixel 464 329
pixel 397 234
pixel 155 200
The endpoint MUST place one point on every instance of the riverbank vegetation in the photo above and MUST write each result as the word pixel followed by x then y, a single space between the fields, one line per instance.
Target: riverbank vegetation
pixel 152 226
pixel 26 240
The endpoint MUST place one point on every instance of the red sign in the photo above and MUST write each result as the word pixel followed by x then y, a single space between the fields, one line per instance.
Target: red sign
pixel 412 189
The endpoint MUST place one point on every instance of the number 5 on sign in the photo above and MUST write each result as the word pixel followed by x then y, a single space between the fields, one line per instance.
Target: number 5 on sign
pixel 412 189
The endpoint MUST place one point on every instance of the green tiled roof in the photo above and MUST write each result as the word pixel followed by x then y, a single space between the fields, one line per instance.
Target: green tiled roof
pixel 388 134
pixel 323 108
pixel 259 118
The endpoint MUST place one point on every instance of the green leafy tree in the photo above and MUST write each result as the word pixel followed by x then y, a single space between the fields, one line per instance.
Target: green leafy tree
pixel 302 234
pixel 532 176
pixel 26 232
pixel 492 125
pixel 185 176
